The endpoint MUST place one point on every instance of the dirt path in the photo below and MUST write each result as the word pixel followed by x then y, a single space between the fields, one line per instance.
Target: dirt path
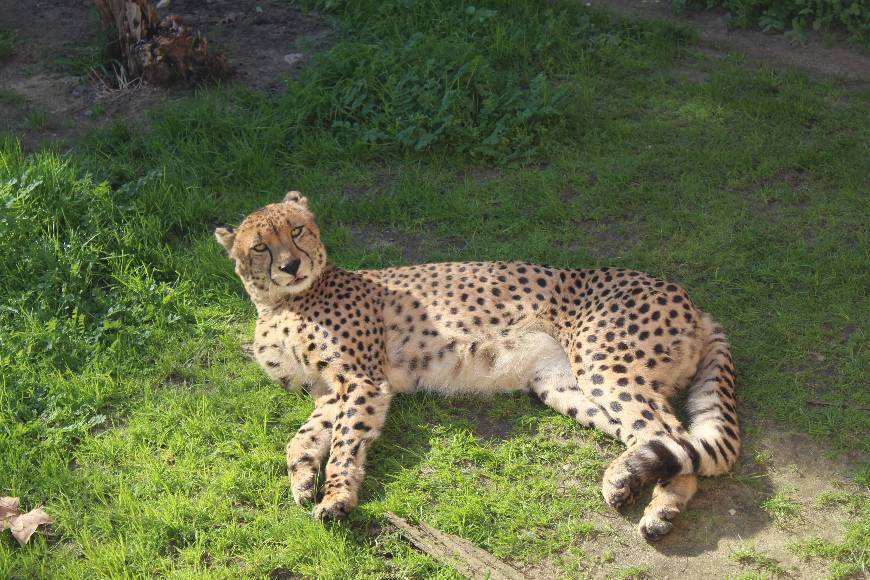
pixel 829 57
pixel 726 514
pixel 46 97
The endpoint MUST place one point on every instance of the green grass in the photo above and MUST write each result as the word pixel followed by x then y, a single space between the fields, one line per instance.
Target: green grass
pixel 129 410
pixel 37 120
pixel 7 43
pixel 757 560
pixel 851 556
pixel 793 17
pixel 781 507
pixel 633 573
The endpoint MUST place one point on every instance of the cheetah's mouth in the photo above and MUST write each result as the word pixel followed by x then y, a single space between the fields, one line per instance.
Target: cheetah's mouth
pixel 296 280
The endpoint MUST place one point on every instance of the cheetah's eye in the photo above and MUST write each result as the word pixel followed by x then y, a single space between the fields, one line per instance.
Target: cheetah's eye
pixel 260 248
pixel 297 231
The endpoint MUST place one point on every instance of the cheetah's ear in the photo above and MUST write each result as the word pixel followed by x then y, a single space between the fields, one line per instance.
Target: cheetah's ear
pixel 226 237
pixel 297 198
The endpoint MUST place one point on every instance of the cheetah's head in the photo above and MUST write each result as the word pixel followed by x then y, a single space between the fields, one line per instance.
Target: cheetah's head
pixel 276 249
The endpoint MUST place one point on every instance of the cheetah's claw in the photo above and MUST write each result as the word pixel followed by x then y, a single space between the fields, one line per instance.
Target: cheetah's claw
pixel 621 491
pixel 330 510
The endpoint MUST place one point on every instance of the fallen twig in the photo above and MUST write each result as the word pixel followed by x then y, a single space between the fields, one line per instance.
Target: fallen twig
pixel 820 403
pixel 462 555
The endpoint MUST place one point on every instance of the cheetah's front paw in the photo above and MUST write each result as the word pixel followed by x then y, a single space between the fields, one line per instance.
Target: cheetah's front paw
pixel 333 508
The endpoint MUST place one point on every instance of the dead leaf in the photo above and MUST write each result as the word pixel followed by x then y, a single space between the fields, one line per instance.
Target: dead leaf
pixel 8 507
pixel 21 525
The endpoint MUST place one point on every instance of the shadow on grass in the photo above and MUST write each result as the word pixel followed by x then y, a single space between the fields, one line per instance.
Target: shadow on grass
pixel 725 508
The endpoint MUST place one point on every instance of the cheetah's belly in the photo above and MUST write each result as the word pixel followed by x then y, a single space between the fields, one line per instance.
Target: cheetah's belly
pixel 482 364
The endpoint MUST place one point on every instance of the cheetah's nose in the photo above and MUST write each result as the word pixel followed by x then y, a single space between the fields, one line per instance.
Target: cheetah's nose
pixel 291 267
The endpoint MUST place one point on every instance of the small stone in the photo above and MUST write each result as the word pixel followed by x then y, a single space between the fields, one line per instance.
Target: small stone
pixel 293 58
pixel 732 512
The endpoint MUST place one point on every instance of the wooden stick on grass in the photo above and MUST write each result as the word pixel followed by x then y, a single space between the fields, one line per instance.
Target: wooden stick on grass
pixel 820 403
pixel 462 555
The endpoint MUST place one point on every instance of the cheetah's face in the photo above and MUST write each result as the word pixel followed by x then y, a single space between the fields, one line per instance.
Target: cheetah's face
pixel 276 249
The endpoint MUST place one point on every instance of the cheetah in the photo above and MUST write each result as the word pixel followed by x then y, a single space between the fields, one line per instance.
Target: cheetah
pixel 606 347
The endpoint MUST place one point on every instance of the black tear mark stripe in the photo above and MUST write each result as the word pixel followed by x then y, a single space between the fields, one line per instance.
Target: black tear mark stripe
pixel 271 260
pixel 295 245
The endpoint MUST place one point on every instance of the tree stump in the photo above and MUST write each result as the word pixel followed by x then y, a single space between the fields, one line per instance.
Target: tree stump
pixel 158 50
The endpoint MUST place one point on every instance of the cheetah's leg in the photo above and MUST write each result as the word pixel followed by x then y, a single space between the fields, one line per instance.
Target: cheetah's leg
pixel 657 446
pixel 653 454
pixel 356 426
pixel 306 450
pixel 668 500
pixel 553 380
pixel 657 450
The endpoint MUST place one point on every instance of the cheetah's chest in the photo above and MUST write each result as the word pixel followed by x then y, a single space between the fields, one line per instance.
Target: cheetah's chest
pixel 281 352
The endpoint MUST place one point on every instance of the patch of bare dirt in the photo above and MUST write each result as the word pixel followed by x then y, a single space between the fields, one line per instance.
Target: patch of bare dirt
pixel 479 174
pixel 847 333
pixel 726 514
pixel 792 177
pixel 568 194
pixel 829 57
pixel 38 100
pixel 697 70
pixel 44 99
pixel 772 207
pixel 377 238
pixel 607 239
pixel 572 192
pixel 265 40
pixel 485 425
pixel 382 182
pixel 283 574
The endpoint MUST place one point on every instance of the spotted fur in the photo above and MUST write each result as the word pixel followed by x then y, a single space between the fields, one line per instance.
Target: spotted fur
pixel 606 347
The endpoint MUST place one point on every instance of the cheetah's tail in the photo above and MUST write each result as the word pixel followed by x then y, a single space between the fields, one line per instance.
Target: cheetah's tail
pixel 711 404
